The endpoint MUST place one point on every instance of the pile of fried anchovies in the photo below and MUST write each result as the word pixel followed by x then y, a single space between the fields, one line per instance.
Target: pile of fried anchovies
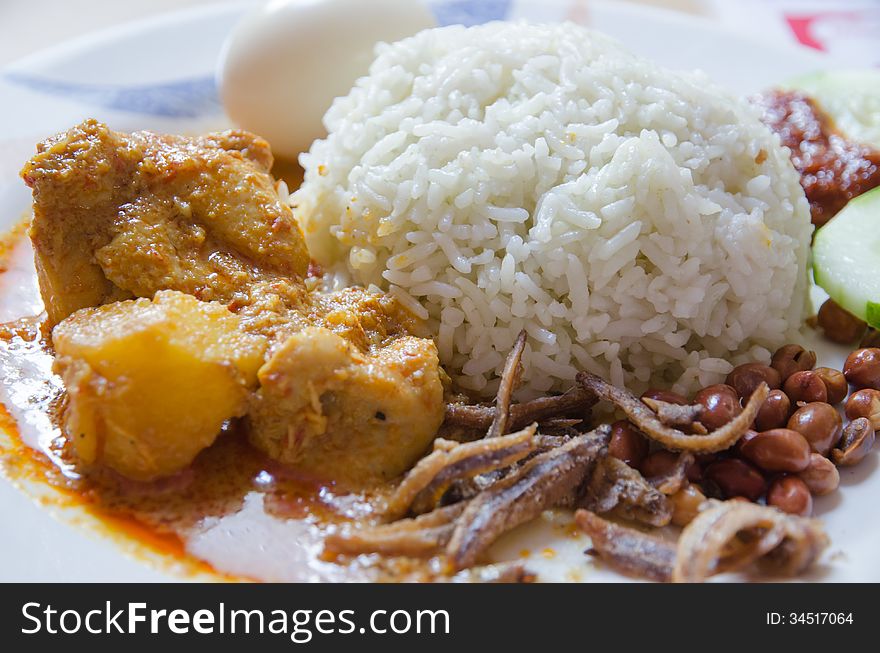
pixel 509 462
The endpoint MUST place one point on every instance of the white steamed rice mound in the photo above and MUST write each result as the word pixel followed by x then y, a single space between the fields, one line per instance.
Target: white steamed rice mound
pixel 636 222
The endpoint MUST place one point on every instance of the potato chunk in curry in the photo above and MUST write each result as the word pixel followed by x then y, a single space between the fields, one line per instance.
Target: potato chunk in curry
pixel 150 383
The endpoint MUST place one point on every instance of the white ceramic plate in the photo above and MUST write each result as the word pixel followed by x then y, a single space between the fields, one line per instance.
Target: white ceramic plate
pixel 106 76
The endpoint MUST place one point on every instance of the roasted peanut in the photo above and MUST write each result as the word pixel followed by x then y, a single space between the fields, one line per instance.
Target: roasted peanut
pixel 838 324
pixel 790 494
pixel 658 463
pixel 821 475
pixel 870 339
pixel 774 412
pixel 627 444
pixel 835 383
pixel 819 423
pixel 695 471
pixel 865 403
pixel 857 440
pixel 778 450
pixel 686 504
pixel 862 368
pixel 746 378
pixel 720 405
pixel 736 478
pixel 789 359
pixel 746 437
pixel 805 387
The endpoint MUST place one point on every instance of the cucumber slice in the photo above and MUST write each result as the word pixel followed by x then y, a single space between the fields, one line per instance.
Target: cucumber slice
pixel 851 98
pixel 846 257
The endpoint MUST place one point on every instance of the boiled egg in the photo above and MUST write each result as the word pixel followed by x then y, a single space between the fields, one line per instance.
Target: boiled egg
pixel 284 64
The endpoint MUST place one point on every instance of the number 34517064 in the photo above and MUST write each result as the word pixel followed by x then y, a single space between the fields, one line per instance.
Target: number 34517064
pixel 809 618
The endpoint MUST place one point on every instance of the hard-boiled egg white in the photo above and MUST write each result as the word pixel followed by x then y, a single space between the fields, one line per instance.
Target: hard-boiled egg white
pixel 285 63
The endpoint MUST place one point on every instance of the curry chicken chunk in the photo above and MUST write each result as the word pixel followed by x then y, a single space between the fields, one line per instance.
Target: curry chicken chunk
pixel 174 278
pixel 122 215
pixel 354 410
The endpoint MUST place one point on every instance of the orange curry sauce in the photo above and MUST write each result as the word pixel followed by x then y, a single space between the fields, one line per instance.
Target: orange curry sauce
pixel 182 519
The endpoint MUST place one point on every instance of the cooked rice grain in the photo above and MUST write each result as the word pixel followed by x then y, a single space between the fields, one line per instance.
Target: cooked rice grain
pixel 539 177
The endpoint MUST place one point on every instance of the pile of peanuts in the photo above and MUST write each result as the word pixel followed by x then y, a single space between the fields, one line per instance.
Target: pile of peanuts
pixel 797 441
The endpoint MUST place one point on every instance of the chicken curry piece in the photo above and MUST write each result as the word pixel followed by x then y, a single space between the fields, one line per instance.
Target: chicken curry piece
pixel 119 216
pixel 174 279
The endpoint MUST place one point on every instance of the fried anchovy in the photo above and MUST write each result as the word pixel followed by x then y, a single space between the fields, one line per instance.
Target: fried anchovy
pixel 675 415
pixel 546 442
pixel 627 550
pixel 799 550
pixel 543 482
pixel 509 381
pixel 560 425
pixel 649 424
pixel 431 477
pixel 420 537
pixel 731 535
pixel 676 478
pixel 537 410
pixel 468 488
pixel 614 485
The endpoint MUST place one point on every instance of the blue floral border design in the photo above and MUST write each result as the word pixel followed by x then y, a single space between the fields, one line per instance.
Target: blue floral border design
pixel 470 12
pixel 186 98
